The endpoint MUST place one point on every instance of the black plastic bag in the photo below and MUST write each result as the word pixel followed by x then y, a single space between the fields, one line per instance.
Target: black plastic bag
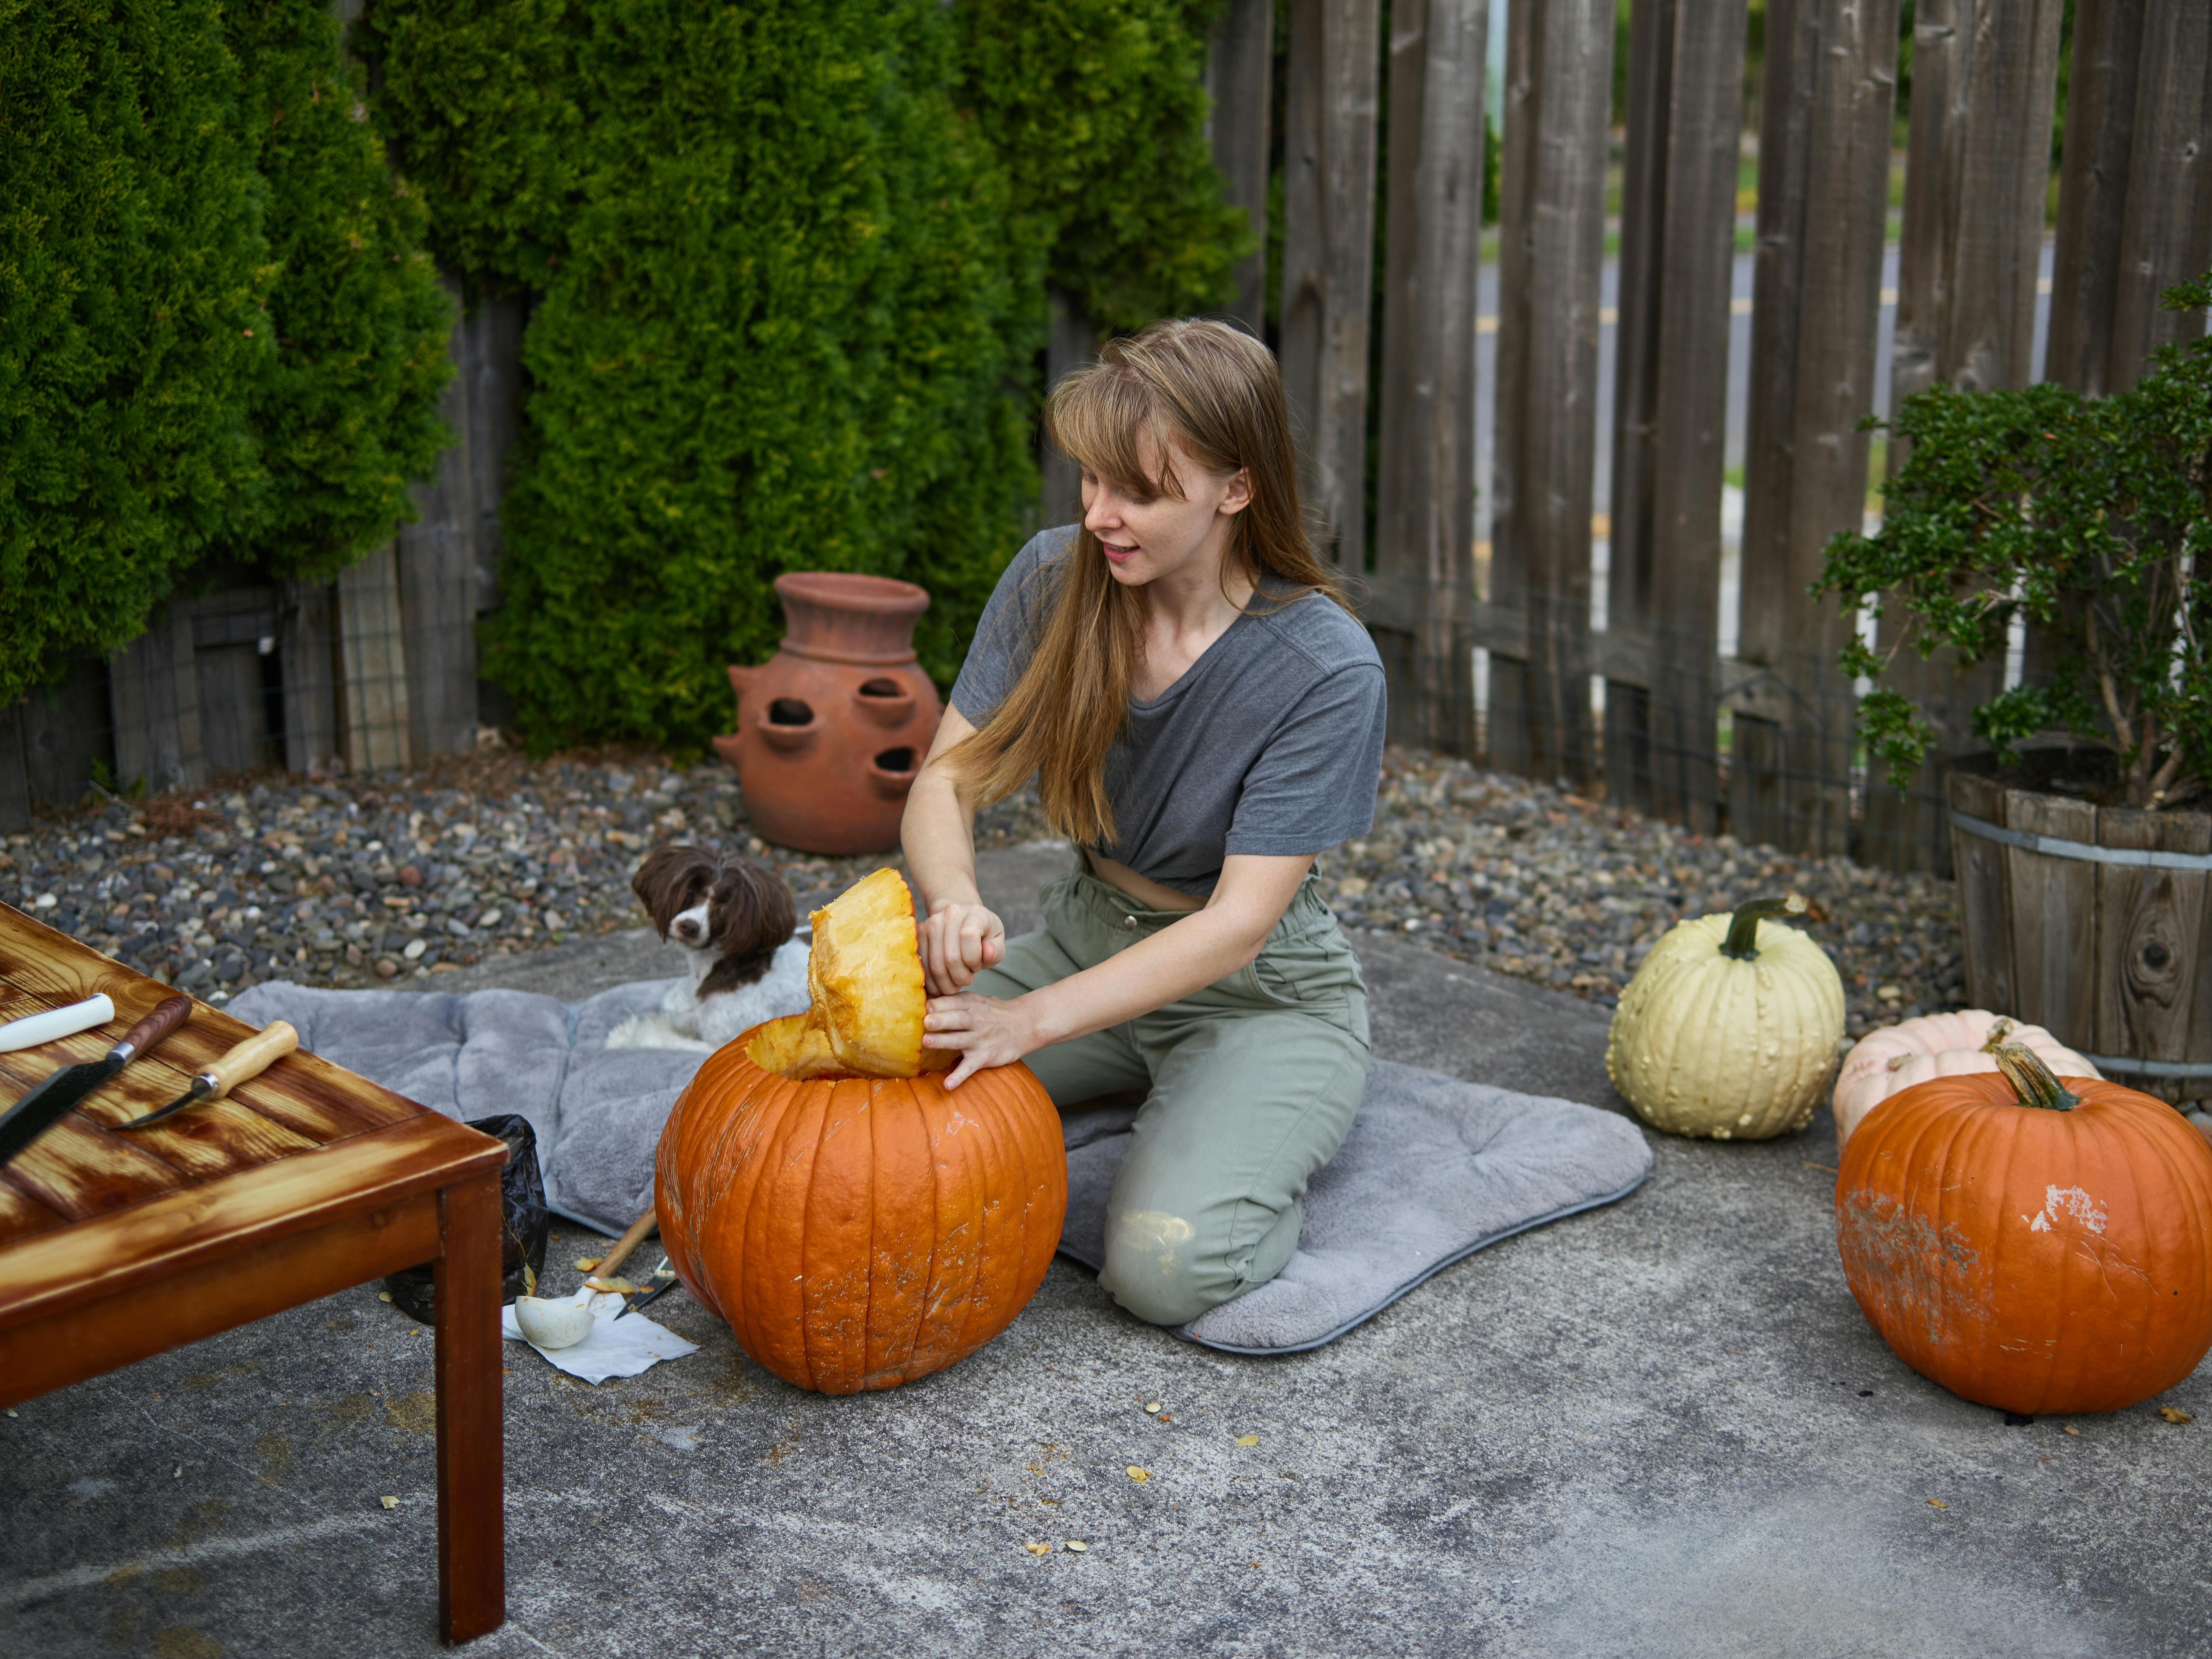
pixel 522 1205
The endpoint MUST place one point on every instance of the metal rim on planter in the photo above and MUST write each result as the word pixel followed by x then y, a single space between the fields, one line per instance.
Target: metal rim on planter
pixel 2058 847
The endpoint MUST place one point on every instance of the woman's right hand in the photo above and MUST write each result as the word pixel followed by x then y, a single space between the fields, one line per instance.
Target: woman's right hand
pixel 958 941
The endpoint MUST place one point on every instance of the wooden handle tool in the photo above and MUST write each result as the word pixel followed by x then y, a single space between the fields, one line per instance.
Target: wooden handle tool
pixel 621 1253
pixel 245 1062
pixel 31 1116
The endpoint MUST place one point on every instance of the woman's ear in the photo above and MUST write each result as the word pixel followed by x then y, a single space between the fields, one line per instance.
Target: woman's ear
pixel 1238 495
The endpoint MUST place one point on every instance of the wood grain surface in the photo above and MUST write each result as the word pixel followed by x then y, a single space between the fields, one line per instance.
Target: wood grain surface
pixel 305 1181
pixel 2054 909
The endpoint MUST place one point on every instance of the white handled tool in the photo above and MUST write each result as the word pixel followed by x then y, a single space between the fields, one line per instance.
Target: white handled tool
pixel 34 1029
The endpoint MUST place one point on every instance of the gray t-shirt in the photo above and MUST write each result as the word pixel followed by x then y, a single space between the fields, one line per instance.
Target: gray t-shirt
pixel 1270 742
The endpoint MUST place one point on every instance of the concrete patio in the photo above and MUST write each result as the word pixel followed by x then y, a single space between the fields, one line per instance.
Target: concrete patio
pixel 1659 1428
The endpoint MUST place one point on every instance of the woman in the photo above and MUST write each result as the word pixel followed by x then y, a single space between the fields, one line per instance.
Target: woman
pixel 1203 715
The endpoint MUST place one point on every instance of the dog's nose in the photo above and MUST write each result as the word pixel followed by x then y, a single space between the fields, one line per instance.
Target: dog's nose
pixel 687 930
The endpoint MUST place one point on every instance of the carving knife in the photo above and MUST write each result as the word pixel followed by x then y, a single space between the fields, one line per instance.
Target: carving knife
pixel 245 1061
pixel 32 1116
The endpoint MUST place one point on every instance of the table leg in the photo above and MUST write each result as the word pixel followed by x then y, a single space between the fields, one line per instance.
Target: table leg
pixel 471 1519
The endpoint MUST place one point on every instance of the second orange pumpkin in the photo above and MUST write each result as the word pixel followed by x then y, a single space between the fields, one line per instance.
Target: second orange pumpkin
pixel 2031 1245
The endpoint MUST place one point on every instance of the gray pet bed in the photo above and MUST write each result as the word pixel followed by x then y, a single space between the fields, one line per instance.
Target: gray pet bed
pixel 1433 1170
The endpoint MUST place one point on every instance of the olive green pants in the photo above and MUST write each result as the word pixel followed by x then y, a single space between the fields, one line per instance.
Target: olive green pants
pixel 1250 1085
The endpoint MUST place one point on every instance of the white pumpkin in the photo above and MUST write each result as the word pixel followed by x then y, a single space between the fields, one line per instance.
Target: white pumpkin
pixel 1729 1028
pixel 1892 1060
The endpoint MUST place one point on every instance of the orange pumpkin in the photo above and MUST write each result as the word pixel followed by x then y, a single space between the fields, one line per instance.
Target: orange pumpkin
pixel 860 1232
pixel 2036 1246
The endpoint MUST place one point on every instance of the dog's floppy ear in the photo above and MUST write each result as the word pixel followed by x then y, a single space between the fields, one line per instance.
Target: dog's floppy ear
pixel 664 881
pixel 749 916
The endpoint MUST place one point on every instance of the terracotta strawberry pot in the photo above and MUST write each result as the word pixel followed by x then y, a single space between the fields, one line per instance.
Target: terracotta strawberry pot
pixel 832 729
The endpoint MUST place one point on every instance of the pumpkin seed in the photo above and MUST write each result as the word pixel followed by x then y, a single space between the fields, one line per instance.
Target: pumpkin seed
pixel 1140 1475
pixel 1077 1545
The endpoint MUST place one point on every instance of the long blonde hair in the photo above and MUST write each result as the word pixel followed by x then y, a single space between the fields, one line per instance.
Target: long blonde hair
pixel 1216 391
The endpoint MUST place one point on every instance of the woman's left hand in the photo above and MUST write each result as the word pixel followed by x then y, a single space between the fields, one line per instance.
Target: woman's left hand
pixel 983 1031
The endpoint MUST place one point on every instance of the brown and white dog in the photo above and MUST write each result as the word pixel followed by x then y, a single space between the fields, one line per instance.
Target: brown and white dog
pixel 732 919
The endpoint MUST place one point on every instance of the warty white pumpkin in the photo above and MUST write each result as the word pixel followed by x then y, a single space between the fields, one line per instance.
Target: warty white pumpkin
pixel 1729 1028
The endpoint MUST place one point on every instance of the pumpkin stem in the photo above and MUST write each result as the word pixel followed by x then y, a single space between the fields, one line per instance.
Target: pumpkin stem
pixel 1742 940
pixel 2031 1081
pixel 2000 1034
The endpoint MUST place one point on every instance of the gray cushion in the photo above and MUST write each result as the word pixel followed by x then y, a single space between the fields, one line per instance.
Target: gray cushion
pixel 1433 1169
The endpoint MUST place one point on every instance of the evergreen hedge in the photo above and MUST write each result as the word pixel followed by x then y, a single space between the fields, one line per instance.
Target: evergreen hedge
pixel 789 263
pixel 218 338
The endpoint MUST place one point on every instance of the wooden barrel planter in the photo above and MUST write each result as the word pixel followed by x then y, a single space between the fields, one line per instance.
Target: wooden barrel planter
pixel 2093 922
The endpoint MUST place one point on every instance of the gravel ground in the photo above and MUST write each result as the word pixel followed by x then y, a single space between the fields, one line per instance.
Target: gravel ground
pixel 362 881
pixel 1568 892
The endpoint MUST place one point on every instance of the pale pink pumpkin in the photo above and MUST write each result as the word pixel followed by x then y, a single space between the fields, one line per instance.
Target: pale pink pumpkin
pixel 1888 1061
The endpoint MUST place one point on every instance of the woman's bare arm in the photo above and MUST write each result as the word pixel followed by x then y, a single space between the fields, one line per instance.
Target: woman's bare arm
pixel 1184 957
pixel 960 936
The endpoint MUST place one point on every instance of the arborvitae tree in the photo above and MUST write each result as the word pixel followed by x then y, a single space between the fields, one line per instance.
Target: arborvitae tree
pixel 131 274
pixel 219 337
pixel 1097 110
pixel 345 409
pixel 791 262
pixel 771 334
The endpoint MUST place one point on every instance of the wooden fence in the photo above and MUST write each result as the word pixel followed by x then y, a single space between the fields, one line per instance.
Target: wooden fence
pixel 2135 215
pixel 378 668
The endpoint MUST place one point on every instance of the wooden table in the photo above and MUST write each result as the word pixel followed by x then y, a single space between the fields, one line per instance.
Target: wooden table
pixel 306 1181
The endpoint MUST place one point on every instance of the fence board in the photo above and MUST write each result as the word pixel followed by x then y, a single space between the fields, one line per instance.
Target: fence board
pixel 306 659
pixel 1069 343
pixel 153 692
pixel 1824 166
pixel 50 742
pixel 491 341
pixel 2092 190
pixel 15 799
pixel 1240 76
pixel 1968 266
pixel 1424 495
pixel 228 629
pixel 2167 234
pixel 1329 257
pixel 436 560
pixel 1685 115
pixel 1551 250
pixel 374 728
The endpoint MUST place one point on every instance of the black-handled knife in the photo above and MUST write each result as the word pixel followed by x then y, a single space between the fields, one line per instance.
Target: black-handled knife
pixel 31 1116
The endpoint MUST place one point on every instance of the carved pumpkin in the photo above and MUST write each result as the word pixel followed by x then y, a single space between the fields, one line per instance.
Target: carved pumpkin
pixel 2034 1245
pixel 857 1225
pixel 1729 1027
pixel 1888 1061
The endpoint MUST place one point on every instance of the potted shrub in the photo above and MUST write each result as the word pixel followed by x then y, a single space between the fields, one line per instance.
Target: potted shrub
pixel 2082 838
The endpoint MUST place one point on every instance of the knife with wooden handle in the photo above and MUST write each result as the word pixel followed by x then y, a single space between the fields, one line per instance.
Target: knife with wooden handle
pixel 243 1063
pixel 31 1116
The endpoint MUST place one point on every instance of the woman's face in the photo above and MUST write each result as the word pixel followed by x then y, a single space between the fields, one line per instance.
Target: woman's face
pixel 1147 534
